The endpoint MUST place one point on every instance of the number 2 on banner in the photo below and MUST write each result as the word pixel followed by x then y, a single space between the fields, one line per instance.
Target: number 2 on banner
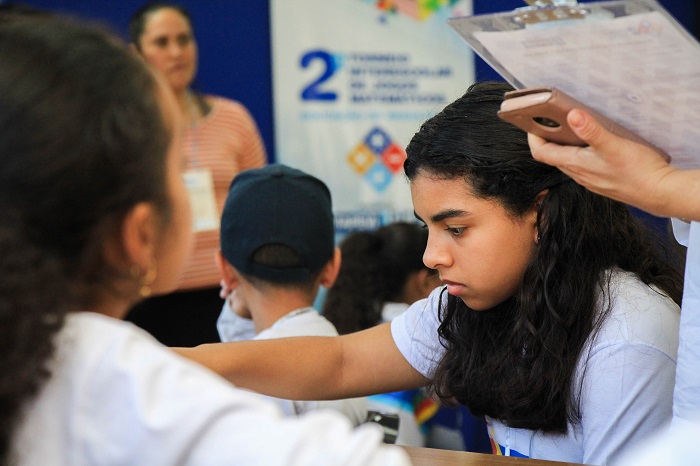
pixel 313 90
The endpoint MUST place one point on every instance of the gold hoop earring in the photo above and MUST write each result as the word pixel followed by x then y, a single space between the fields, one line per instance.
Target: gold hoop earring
pixel 146 280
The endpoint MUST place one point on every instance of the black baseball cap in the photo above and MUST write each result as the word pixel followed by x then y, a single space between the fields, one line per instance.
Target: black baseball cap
pixel 278 204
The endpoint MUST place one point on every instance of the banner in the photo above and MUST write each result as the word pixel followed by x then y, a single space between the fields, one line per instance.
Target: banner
pixel 353 81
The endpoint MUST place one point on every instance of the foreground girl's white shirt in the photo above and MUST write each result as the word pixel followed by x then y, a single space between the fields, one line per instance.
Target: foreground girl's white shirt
pixel 117 396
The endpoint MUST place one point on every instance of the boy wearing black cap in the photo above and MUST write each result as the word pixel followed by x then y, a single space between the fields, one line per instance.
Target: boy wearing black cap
pixel 277 249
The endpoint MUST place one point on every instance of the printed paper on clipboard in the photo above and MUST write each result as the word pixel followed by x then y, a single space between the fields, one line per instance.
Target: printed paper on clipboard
pixel 628 59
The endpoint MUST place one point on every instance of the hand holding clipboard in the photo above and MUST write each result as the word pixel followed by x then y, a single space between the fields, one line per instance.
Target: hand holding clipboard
pixel 627 59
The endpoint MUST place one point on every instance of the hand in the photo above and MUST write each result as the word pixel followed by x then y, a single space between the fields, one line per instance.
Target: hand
pixel 611 165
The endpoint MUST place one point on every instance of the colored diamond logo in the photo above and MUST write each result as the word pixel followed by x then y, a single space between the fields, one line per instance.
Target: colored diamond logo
pixel 417 9
pixel 378 158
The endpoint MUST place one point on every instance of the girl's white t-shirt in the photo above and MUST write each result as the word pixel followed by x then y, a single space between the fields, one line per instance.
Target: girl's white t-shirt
pixel 629 375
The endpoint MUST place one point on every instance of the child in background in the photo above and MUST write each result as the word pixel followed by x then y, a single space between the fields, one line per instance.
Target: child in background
pixel 381 274
pixel 277 249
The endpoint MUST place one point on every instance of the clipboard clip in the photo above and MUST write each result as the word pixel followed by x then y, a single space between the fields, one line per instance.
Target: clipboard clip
pixel 544 11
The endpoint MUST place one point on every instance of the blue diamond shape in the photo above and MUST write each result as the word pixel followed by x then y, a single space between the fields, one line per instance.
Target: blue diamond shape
pixel 377 140
pixel 378 176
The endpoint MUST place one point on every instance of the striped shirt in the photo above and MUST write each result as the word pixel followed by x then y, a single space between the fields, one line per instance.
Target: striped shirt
pixel 225 142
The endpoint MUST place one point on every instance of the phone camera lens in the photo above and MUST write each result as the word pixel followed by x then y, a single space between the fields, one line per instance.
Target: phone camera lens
pixel 549 123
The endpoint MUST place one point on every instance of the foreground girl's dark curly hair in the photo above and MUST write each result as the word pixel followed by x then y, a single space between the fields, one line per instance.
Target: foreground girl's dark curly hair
pixel 82 140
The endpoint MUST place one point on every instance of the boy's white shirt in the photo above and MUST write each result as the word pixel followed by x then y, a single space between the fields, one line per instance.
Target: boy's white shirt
pixel 300 322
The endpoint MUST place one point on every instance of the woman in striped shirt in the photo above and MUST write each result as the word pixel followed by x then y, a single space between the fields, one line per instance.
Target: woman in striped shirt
pixel 221 140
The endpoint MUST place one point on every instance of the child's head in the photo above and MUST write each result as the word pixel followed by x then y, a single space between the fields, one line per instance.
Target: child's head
pixel 508 215
pixel 378 267
pixel 277 225
pixel 85 138
pixel 479 191
pixel 400 249
pixel 494 212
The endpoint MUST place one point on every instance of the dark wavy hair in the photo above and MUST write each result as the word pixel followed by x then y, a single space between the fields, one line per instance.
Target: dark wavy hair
pixel 517 361
pixel 82 140
pixel 374 269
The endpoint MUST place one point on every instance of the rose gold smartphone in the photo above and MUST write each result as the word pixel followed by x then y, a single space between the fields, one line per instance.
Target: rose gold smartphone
pixel 542 111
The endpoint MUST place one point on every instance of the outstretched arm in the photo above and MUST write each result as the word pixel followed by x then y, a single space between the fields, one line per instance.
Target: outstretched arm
pixel 623 170
pixel 313 368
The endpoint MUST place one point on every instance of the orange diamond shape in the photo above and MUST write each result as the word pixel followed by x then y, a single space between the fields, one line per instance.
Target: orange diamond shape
pixel 361 158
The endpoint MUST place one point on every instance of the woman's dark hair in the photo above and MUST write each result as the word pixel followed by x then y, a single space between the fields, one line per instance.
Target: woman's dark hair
pixel 374 269
pixel 82 140
pixel 517 361
pixel 137 23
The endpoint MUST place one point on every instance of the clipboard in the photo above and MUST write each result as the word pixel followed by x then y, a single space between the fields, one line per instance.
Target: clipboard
pixel 628 59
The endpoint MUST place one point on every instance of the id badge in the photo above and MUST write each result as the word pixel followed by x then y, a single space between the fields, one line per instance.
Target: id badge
pixel 200 188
